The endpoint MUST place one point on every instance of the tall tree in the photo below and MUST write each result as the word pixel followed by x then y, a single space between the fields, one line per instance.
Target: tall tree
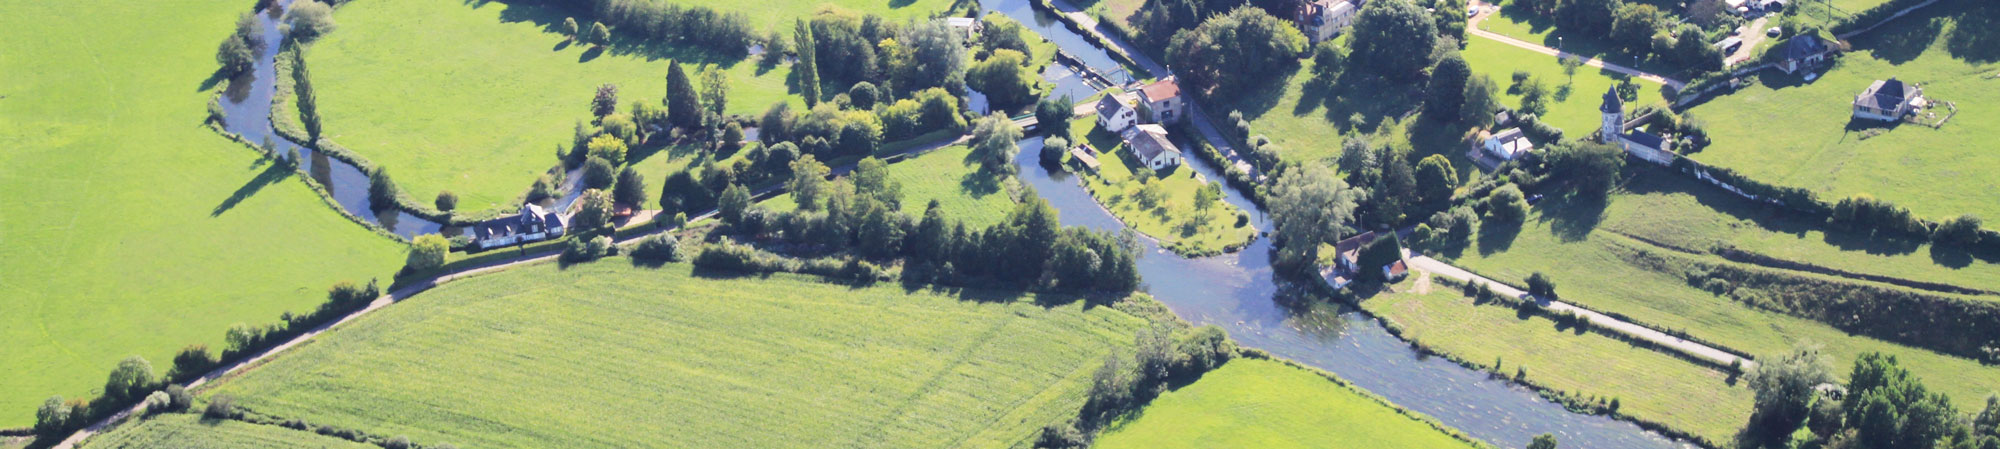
pixel 606 100
pixel 1481 100
pixel 940 50
pixel 808 66
pixel 1784 387
pixel 1396 191
pixel 715 88
pixel 1436 178
pixel 1393 38
pixel 808 183
pixel 683 102
pixel 1445 93
pixel 1311 207
pixel 309 19
pixel 1634 24
pixel 631 188
pixel 994 143
pixel 1004 80
pixel 1241 47
pixel 569 27
pixel 1052 115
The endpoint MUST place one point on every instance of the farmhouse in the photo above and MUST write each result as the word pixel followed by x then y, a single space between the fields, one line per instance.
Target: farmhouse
pixel 531 225
pixel 1161 101
pixel 1507 145
pixel 1323 19
pixel 1116 112
pixel 1150 145
pixel 1888 100
pixel 1802 52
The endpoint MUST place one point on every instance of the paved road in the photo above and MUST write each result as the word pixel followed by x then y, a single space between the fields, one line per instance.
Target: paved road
pixel 1598 320
pixel 406 291
pixel 1472 28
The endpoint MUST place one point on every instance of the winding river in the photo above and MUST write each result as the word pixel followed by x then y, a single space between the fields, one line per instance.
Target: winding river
pixel 1235 291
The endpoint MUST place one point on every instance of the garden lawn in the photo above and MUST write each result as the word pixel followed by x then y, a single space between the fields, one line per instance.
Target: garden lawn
pixel 1310 120
pixel 1648 384
pixel 951 177
pixel 1788 132
pixel 1682 212
pixel 1175 221
pixel 1576 113
pixel 1608 272
pixel 128 228
pixel 1267 404
pixel 1514 22
pixel 475 97
pixel 609 354
pixel 190 431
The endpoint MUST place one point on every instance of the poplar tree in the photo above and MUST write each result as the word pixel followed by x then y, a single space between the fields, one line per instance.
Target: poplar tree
pixel 808 66
pixel 308 102
pixel 683 102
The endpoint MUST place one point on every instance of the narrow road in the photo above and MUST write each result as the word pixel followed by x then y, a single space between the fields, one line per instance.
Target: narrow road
pixel 1752 34
pixel 1598 320
pixel 1486 10
pixel 412 289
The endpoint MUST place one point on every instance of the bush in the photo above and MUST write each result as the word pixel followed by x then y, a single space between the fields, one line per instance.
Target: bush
pixel 221 406
pixel 580 248
pixel 179 398
pixel 159 402
pixel 427 252
pixel 193 360
pixel 1541 286
pixel 399 442
pixel 446 201
pixel 658 247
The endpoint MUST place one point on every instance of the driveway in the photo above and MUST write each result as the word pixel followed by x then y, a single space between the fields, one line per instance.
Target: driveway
pixel 1752 35
pixel 1599 320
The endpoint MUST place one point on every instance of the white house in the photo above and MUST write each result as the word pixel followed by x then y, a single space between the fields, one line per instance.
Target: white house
pixel 1888 100
pixel 1508 144
pixel 532 224
pixel 1801 52
pixel 1117 112
pixel 1324 19
pixel 1150 145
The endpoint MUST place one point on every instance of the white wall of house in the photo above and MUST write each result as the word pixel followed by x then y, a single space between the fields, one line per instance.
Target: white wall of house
pixel 1124 118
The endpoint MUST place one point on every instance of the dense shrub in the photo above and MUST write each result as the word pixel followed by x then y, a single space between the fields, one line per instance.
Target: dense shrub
pixel 1945 324
pixel 158 402
pixel 178 398
pixel 663 22
pixel 1866 214
pixel 309 19
pixel 193 360
pixel 583 248
pixel 658 247
pixel 221 406
pixel 427 252
pixel 1507 205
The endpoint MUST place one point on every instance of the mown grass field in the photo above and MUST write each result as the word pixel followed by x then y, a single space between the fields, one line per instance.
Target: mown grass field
pixel 1267 404
pixel 1678 211
pixel 475 97
pixel 1649 384
pixel 1577 111
pixel 951 177
pixel 1310 120
pixel 612 355
pixel 128 228
pixel 1175 222
pixel 1606 271
pixel 1789 132
pixel 780 14
pixel 190 431
pixel 1514 22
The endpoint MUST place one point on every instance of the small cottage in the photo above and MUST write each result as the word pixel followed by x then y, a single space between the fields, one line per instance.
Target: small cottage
pixel 967 25
pixel 1161 101
pixel 1117 112
pixel 1888 100
pixel 1395 271
pixel 532 224
pixel 1150 145
pixel 1802 52
pixel 1508 144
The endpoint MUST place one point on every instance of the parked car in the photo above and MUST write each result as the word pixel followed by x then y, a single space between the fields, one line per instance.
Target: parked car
pixel 1729 45
pixel 1773 32
pixel 1535 198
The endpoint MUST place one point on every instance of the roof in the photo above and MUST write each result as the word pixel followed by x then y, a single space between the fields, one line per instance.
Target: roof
pixel 1513 142
pixel 1350 248
pixel 1084 157
pixel 1801 47
pixel 961 22
pixel 1149 141
pixel 1162 89
pixel 1647 140
pixel 1889 94
pixel 1611 101
pixel 1107 106
pixel 1395 269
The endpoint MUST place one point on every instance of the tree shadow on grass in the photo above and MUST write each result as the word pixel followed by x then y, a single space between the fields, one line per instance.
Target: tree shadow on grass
pixel 622 44
pixel 1976 37
pixel 1572 217
pixel 1496 236
pixel 272 173
pixel 1902 41
pixel 591 54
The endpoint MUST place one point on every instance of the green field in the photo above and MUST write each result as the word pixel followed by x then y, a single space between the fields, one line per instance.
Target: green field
pixel 768 15
pixel 612 355
pixel 1649 384
pixel 1598 268
pixel 1517 23
pixel 1309 121
pixel 951 177
pixel 190 431
pixel 1176 222
pixel 1267 404
pixel 1576 113
pixel 1948 48
pixel 474 97
pixel 128 227
pixel 1682 212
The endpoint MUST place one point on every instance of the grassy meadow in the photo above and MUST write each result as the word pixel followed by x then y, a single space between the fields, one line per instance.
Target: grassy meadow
pixel 780 14
pixel 474 97
pixel 191 431
pixel 1575 112
pixel 610 354
pixel 950 176
pixel 1596 267
pixel 127 227
pixel 1649 384
pixel 1949 48
pixel 1266 404
pixel 1175 222
pixel 1515 22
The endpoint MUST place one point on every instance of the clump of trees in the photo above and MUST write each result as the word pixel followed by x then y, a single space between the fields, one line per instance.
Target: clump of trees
pixel 662 22
pixel 1164 356
pixel 1885 406
pixel 1310 207
pixel 1393 39
pixel 238 52
pixel 309 20
pixel 1245 46
pixel 1642 29
pixel 1005 79
pixel 1593 168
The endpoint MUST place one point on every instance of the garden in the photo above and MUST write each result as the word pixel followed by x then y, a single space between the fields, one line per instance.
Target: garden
pixel 1175 205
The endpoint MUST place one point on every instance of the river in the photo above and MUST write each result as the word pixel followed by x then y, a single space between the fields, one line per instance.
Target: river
pixel 1239 293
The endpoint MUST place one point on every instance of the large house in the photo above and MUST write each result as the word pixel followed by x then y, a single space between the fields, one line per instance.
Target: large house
pixel 1651 147
pixel 1149 143
pixel 1801 52
pixel 1117 112
pixel 1324 19
pixel 532 224
pixel 1888 100
pixel 1508 144
pixel 1161 101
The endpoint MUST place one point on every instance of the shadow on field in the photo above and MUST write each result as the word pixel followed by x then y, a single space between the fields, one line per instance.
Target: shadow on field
pixel 622 44
pixel 1903 40
pixel 1572 217
pixel 1976 38
pixel 272 173
pixel 1495 236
